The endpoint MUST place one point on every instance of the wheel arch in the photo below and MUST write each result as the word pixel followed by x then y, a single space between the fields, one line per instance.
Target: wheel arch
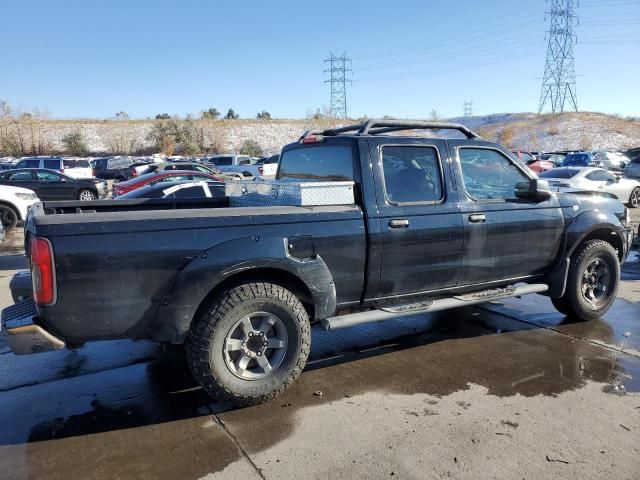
pixel 240 261
pixel 606 234
pixel 12 207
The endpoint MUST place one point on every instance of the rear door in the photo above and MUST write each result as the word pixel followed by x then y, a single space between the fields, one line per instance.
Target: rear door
pixel 421 226
pixel 505 237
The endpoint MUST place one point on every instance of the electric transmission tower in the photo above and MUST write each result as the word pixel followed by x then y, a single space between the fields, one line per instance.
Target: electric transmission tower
pixel 468 108
pixel 338 79
pixel 559 80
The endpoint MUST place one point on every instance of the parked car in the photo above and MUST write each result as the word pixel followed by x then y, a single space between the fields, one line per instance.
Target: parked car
pixel 633 169
pixel 115 168
pixel 525 157
pixel 159 177
pixel 267 167
pixel 540 166
pixel 50 163
pixel 234 164
pixel 436 223
pixel 14 205
pixel 578 159
pixel 177 189
pixel 77 168
pixel 613 161
pixel 184 166
pixel 53 185
pixel 556 158
pixel 598 179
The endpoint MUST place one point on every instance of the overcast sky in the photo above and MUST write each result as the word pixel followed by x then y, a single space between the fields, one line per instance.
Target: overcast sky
pixel 93 59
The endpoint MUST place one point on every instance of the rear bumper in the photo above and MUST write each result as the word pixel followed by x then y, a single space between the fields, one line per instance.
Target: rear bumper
pixel 23 335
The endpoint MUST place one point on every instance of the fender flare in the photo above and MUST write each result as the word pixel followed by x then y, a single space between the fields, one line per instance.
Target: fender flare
pixel 182 299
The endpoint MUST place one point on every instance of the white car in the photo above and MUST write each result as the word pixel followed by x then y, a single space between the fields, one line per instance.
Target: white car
pixel 77 168
pixel 626 190
pixel 232 163
pixel 14 205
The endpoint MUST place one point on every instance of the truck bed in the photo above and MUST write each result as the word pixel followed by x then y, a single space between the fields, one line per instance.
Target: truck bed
pixel 129 255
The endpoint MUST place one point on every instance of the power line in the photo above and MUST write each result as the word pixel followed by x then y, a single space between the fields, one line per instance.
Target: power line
pixel 338 79
pixel 559 80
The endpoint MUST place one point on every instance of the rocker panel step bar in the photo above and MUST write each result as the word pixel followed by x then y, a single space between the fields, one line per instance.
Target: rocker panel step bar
pixel 389 313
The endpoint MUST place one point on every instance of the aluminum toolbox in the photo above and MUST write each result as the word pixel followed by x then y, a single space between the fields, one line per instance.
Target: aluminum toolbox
pixel 261 193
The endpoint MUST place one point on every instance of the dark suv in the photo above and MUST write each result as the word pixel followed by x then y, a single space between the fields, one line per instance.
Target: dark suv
pixel 114 168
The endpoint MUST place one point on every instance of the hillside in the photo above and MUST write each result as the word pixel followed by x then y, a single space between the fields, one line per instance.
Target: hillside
pixel 523 130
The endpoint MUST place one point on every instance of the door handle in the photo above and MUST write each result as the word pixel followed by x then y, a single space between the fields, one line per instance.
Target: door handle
pixel 477 218
pixel 399 223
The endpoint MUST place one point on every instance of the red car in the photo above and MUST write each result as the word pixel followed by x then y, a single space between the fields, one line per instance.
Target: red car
pixel 540 166
pixel 164 176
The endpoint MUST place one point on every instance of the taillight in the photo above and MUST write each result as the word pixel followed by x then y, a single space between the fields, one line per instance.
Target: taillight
pixel 93 172
pixel 134 172
pixel 42 271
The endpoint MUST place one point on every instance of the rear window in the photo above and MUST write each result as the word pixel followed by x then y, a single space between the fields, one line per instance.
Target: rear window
pixel 222 161
pixel 52 164
pixel 317 164
pixel 559 173
pixel 76 164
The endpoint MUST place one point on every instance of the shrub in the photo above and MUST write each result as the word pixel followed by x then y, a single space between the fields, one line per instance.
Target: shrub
pixel 75 144
pixel 264 115
pixel 210 114
pixel 231 115
pixel 251 148
pixel 163 116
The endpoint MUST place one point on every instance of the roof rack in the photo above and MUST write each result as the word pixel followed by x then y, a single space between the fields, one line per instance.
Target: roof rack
pixel 376 127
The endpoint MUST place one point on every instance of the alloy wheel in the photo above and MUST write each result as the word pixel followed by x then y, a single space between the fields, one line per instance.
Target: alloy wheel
pixel 255 345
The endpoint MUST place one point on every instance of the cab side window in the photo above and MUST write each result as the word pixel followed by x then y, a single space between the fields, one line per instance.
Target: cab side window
pixel 488 174
pixel 412 174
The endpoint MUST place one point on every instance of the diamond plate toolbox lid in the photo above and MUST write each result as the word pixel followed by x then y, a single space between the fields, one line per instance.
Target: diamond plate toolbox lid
pixel 255 193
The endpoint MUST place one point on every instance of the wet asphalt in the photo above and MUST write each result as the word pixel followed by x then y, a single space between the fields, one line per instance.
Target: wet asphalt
pixel 125 409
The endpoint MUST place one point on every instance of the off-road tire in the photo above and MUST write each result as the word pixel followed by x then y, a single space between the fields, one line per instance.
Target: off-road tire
pixel 574 301
pixel 9 217
pixel 206 340
pixel 561 305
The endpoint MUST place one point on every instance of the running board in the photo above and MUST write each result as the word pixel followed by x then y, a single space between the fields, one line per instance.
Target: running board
pixel 389 313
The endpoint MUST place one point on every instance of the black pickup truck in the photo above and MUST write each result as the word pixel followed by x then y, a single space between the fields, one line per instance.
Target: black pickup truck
pixel 437 223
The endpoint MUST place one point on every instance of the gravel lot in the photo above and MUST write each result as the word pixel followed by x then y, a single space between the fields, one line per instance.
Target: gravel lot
pixel 503 390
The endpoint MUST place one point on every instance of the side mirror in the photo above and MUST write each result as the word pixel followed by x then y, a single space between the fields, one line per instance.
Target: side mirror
pixel 536 190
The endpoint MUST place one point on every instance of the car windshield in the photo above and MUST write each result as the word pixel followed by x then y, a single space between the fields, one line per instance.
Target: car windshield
pixel 559 173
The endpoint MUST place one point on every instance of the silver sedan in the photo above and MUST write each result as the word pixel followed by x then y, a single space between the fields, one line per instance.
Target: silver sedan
pixel 596 179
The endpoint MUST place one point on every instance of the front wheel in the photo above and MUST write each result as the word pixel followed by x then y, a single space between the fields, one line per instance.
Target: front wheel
pixel 86 195
pixel 8 217
pixel 250 343
pixel 634 198
pixel 592 283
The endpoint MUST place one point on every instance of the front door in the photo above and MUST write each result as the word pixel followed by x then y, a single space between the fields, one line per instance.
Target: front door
pixel 53 186
pixel 421 226
pixel 505 237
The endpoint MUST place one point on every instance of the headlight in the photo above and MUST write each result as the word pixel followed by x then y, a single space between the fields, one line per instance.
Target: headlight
pixel 27 196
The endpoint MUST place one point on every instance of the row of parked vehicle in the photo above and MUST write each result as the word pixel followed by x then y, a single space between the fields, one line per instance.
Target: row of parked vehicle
pixel 620 163
pixel 28 180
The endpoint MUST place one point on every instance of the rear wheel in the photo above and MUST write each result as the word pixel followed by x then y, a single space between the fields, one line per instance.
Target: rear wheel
pixel 86 195
pixel 8 217
pixel 634 198
pixel 592 283
pixel 250 343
